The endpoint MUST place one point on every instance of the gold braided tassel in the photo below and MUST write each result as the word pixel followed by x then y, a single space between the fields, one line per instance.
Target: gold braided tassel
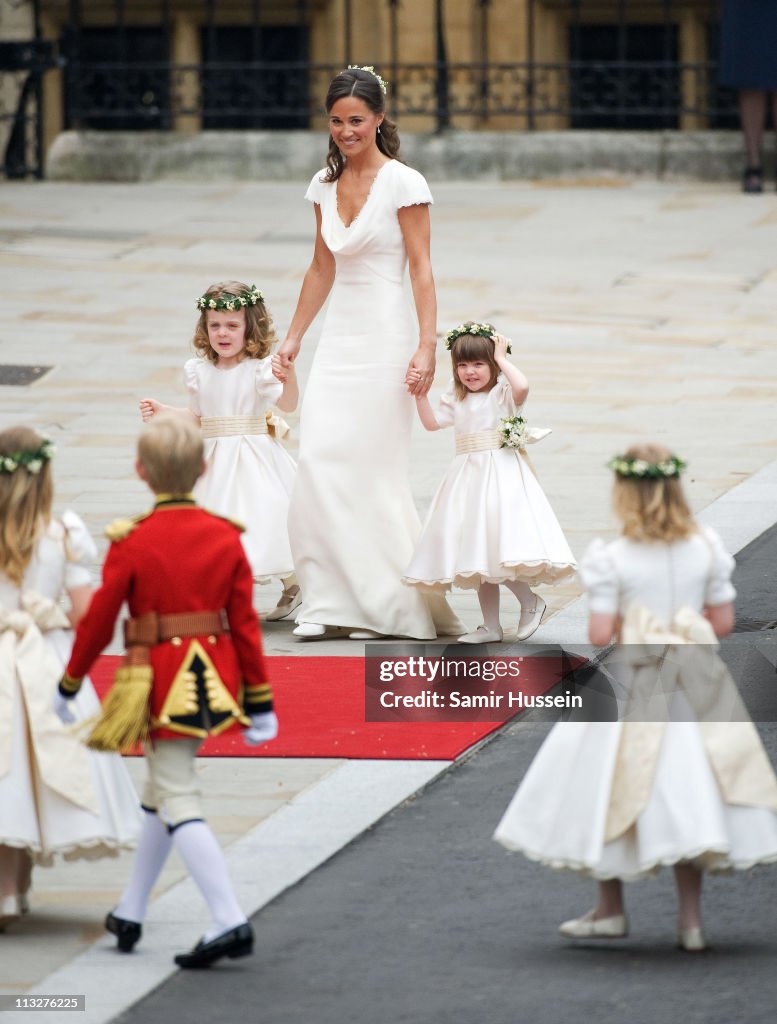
pixel 124 720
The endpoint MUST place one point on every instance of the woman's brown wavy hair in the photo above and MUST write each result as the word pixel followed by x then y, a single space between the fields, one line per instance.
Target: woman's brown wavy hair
pixel 365 87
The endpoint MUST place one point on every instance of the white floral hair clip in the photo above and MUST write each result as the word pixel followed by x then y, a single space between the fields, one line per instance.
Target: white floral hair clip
pixel 371 71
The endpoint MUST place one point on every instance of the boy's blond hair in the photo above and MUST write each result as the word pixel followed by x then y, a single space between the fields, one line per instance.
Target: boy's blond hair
pixel 170 451
pixel 652 508
pixel 25 503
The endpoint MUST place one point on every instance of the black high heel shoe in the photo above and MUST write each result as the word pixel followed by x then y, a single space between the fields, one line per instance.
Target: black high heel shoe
pixel 753 180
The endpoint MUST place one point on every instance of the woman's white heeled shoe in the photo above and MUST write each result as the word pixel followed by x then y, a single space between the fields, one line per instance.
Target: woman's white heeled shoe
pixel 590 927
pixel 691 940
pixel 530 619
pixel 288 602
pixel 365 634
pixel 309 631
pixel 482 635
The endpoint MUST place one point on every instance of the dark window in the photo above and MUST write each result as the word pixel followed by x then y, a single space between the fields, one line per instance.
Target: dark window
pixel 623 77
pixel 116 78
pixel 255 78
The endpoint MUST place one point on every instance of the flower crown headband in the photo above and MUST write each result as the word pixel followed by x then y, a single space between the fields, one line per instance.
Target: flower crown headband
pixel 33 462
pixel 370 71
pixel 641 469
pixel 229 302
pixel 476 330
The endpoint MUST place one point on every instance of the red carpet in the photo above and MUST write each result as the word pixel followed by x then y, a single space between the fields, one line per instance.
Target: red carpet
pixel 320 702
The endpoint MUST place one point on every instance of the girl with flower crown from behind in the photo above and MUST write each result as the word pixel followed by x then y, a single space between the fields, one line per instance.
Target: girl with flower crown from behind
pixel 490 522
pixel 681 778
pixel 231 391
pixel 55 796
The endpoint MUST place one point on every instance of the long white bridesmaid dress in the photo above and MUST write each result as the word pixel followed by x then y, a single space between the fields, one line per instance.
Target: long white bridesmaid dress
pixel 352 521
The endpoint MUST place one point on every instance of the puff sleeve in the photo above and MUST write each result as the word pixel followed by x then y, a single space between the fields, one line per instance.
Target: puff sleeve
pixel 446 407
pixel 719 588
pixel 192 380
pixel 267 386
pixel 503 393
pixel 600 578
pixel 315 192
pixel 410 188
pixel 80 552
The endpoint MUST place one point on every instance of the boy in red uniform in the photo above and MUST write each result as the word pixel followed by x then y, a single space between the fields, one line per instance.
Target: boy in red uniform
pixel 187 582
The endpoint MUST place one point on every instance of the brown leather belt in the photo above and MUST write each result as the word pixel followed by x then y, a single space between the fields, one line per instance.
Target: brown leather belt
pixel 151 629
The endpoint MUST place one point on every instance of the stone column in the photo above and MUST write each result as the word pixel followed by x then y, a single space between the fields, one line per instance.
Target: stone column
pixel 185 50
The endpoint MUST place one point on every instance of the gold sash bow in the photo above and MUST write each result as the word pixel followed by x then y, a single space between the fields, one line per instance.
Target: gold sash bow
pixel 60 759
pixel 664 661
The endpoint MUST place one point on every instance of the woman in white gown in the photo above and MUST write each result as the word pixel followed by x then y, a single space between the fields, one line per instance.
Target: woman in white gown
pixel 352 520
pixel 690 786
pixel 56 797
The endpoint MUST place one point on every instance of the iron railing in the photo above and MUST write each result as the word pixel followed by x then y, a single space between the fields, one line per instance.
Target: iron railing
pixel 616 64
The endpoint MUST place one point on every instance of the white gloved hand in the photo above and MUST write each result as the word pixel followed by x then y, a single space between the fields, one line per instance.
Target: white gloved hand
pixel 263 729
pixel 63 709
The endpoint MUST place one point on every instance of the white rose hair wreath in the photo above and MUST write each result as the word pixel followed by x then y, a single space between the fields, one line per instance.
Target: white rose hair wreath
pixel 475 330
pixel 228 302
pixel 641 469
pixel 33 462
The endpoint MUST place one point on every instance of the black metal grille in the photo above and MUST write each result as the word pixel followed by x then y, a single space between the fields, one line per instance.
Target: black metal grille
pixel 620 65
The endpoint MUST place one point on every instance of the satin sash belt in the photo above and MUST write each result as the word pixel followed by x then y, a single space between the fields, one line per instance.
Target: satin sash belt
pixel 479 441
pixel 232 426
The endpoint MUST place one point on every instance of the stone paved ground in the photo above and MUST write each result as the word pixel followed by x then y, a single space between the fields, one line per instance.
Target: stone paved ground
pixel 637 310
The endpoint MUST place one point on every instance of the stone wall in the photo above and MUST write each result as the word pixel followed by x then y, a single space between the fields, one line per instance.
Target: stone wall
pixel 481 156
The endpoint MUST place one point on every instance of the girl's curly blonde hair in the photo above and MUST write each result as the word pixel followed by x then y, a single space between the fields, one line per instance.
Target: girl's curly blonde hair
pixel 25 504
pixel 260 333
pixel 652 509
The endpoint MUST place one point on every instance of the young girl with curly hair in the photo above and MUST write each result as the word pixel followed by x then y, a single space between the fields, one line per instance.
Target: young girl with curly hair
pixel 231 393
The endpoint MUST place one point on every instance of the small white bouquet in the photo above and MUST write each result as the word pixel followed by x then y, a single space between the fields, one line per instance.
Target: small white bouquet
pixel 515 432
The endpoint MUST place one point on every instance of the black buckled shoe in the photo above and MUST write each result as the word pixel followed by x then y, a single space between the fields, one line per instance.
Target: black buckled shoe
pixel 235 943
pixel 127 932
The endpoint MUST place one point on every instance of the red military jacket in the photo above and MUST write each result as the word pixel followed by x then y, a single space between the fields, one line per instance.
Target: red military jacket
pixel 181 558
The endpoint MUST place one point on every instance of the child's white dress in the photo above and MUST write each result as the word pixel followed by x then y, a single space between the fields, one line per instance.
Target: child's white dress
pixel 620 799
pixel 489 520
pixel 250 474
pixel 55 795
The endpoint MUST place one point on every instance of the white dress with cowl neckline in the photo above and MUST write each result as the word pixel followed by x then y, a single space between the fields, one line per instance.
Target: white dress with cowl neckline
pixel 352 521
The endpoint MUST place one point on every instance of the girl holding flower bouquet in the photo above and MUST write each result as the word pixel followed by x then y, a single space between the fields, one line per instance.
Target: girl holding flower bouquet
pixel 490 522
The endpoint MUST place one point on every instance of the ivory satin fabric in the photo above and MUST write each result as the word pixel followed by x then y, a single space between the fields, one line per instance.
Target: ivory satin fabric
pixel 620 799
pixel 352 521
pixel 55 795
pixel 489 520
pixel 250 476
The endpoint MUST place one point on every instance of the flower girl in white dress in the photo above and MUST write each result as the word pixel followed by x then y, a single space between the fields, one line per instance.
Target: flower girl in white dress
pixel 682 778
pixel 489 522
pixel 231 388
pixel 56 797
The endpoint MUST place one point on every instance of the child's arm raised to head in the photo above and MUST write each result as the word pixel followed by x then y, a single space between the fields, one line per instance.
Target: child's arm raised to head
pixel 316 286
pixel 517 381
pixel 149 408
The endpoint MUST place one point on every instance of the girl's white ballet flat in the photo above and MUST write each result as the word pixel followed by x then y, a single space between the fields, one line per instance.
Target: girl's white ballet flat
pixel 288 602
pixel 309 631
pixel 590 927
pixel 691 940
pixel 482 635
pixel 530 619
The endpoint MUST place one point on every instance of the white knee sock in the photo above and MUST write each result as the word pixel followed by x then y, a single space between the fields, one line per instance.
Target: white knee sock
pixel 523 592
pixel 205 862
pixel 488 596
pixel 154 844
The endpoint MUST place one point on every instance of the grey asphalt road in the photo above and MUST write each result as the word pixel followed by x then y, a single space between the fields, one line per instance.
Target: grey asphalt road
pixel 425 920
